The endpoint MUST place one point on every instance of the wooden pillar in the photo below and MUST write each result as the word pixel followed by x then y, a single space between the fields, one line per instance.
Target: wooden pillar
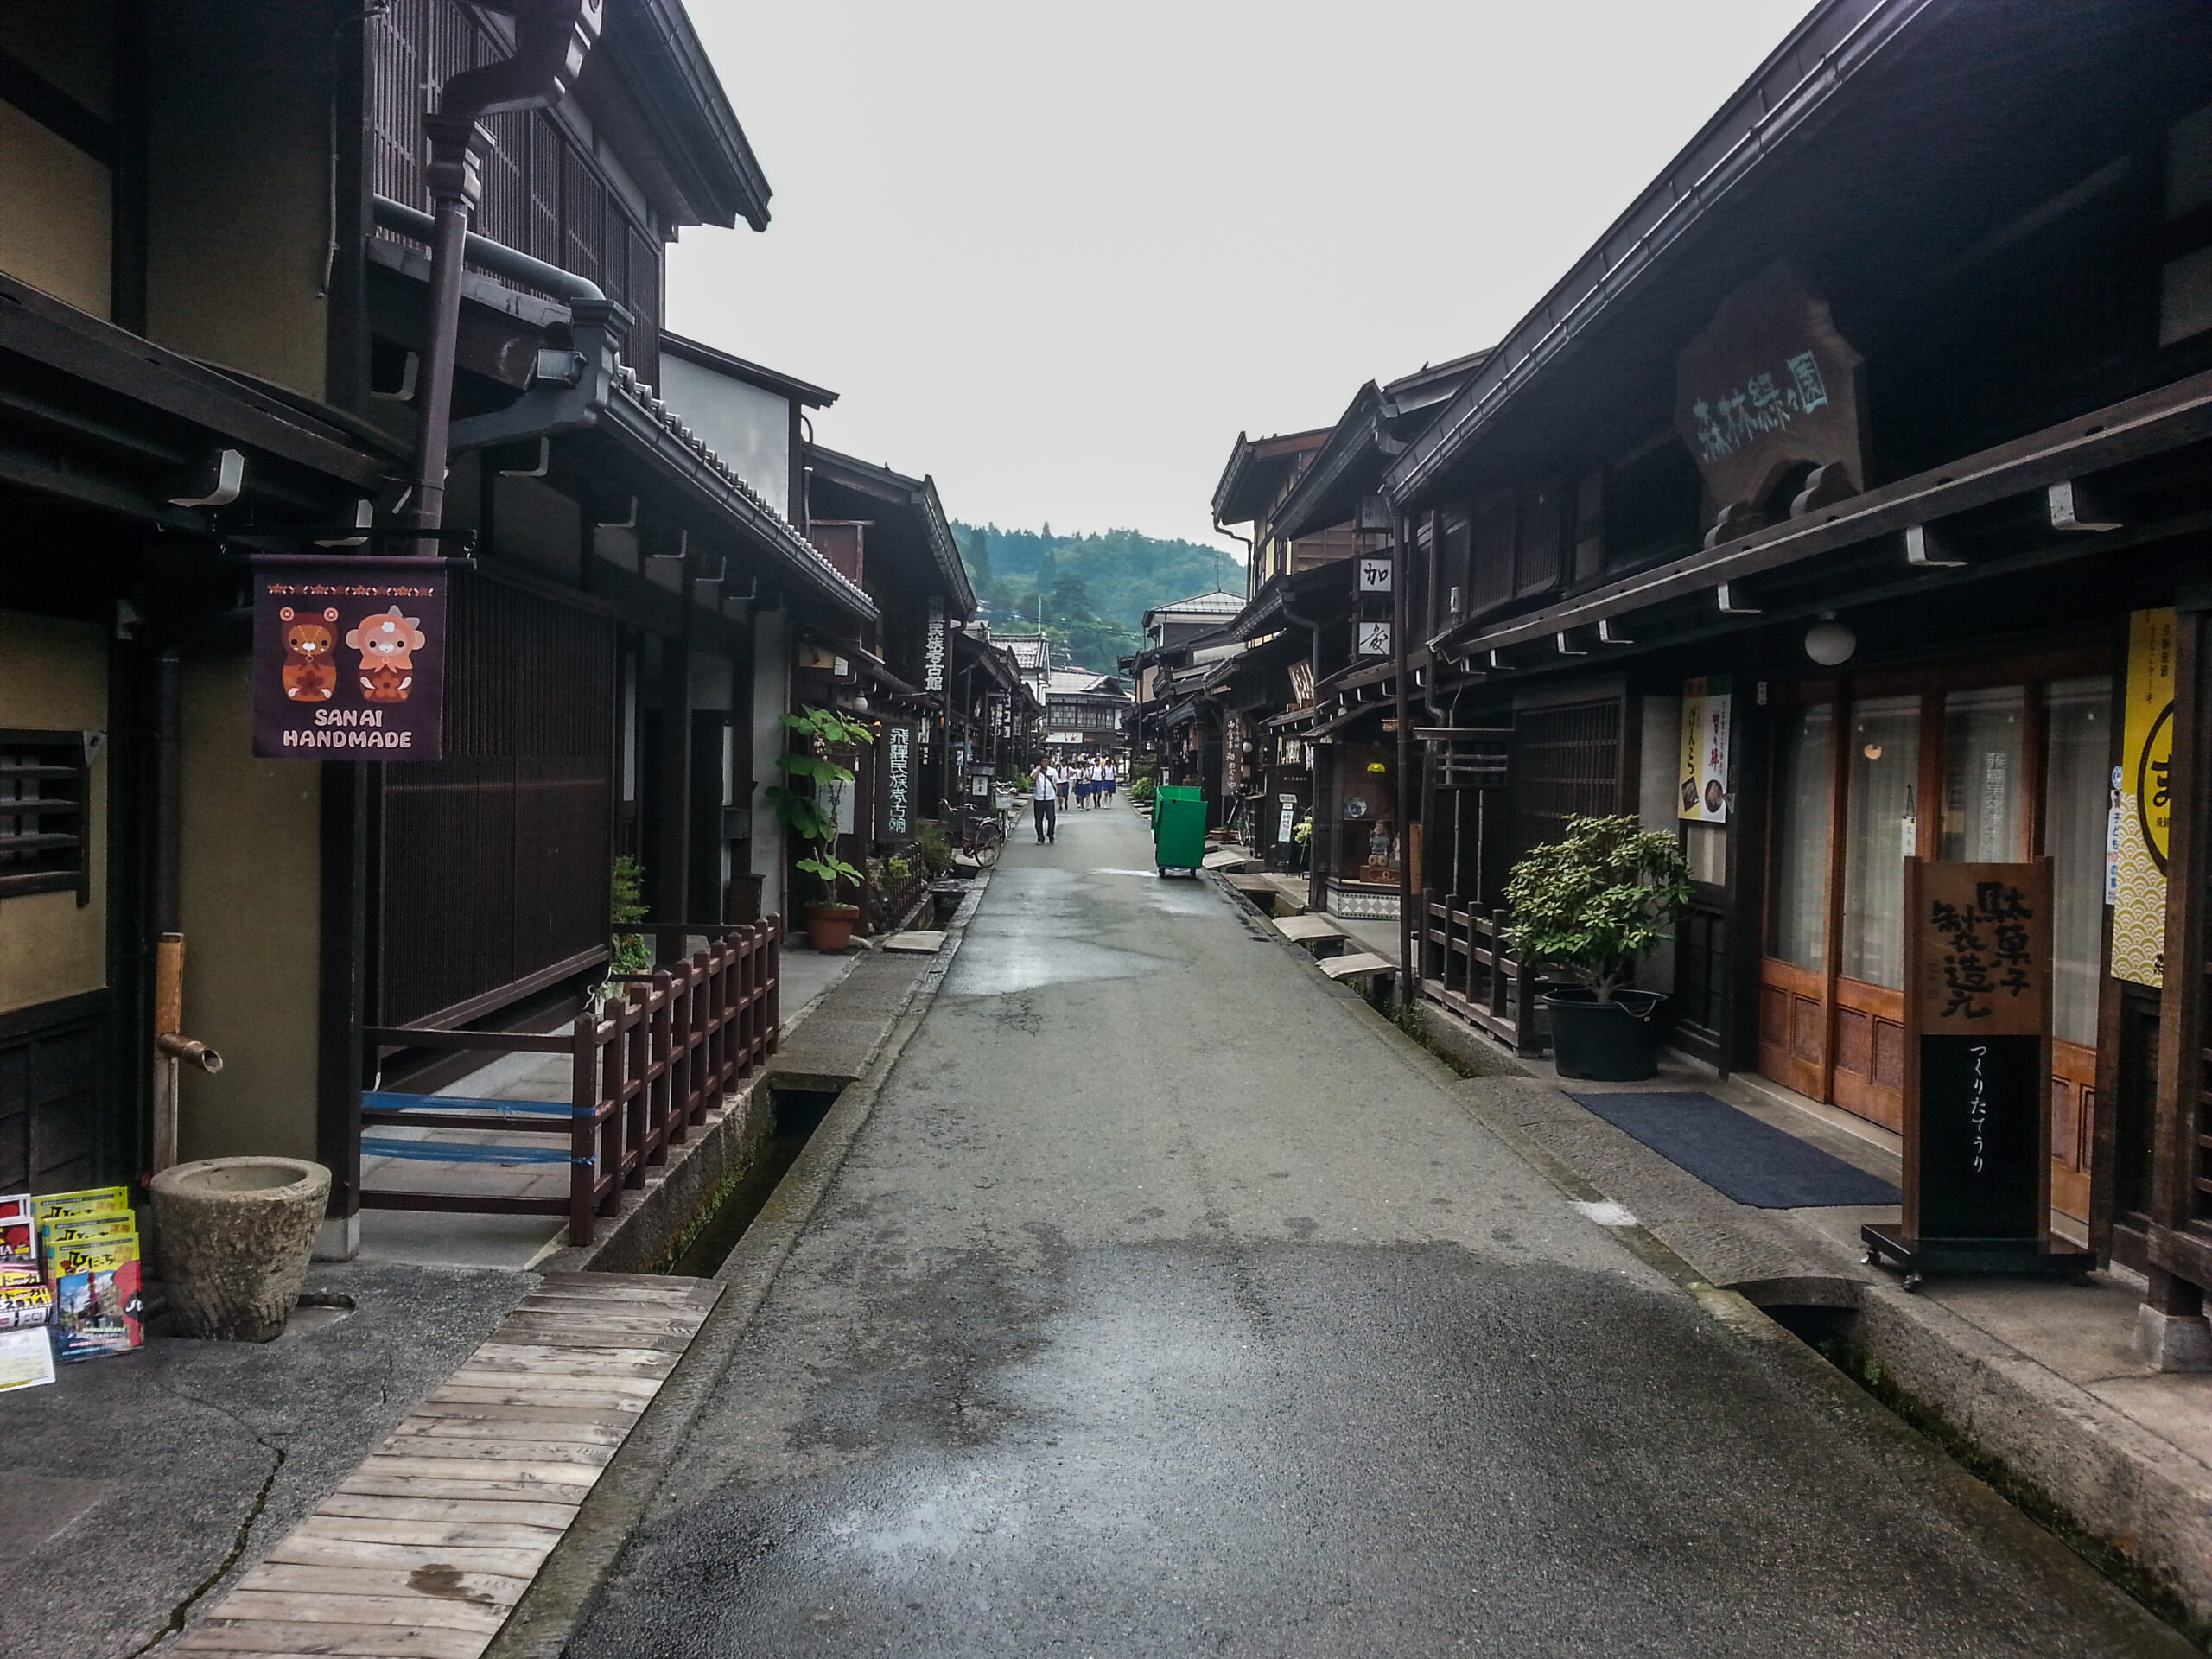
pixel 667 862
pixel 2170 1331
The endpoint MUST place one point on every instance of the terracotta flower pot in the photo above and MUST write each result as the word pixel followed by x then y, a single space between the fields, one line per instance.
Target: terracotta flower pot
pixel 829 927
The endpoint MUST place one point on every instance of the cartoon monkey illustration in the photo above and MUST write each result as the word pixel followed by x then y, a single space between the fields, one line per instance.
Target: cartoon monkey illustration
pixel 309 675
pixel 387 642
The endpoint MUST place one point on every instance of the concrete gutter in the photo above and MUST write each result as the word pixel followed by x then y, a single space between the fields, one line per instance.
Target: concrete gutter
pixel 567 1587
pixel 2137 1506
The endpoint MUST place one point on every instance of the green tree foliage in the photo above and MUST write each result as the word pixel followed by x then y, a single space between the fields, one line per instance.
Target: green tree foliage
pixel 1095 588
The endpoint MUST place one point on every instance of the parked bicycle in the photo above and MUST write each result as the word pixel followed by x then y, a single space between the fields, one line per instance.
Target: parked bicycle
pixel 981 837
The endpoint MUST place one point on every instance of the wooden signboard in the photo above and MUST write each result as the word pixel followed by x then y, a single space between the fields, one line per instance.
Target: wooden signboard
pixel 1977 1118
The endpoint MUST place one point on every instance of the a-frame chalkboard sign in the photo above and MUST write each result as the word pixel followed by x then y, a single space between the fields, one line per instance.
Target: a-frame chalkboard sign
pixel 1977 1080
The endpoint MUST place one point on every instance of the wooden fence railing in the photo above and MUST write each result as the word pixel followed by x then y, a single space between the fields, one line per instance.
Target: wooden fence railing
pixel 1466 969
pixel 645 1067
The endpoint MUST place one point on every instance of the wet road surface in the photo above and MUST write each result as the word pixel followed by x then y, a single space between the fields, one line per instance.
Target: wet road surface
pixel 1162 1307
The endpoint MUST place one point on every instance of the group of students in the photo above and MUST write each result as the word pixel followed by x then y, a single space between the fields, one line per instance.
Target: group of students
pixel 1091 783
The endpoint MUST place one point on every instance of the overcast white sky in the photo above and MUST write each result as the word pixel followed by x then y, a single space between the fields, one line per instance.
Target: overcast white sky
pixel 1059 256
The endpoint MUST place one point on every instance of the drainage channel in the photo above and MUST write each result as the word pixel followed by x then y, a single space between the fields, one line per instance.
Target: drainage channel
pixel 795 1115
pixel 1823 1315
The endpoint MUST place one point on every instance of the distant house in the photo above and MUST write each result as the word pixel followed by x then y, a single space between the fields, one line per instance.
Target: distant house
pixel 1085 713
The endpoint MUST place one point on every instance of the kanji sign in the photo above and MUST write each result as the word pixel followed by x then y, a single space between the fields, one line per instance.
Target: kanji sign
pixel 348 657
pixel 1374 576
pixel 898 786
pixel 1703 784
pixel 1371 639
pixel 1978 1013
pixel 933 649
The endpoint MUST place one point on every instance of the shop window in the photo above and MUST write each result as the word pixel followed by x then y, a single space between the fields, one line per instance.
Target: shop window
pixel 2076 794
pixel 1804 784
pixel 1882 818
pixel 43 800
pixel 1984 745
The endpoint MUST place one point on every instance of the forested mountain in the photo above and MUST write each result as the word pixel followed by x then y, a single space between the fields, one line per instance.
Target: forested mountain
pixel 1095 588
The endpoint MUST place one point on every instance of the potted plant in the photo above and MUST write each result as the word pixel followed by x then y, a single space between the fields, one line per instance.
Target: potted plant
pixel 809 812
pixel 1585 908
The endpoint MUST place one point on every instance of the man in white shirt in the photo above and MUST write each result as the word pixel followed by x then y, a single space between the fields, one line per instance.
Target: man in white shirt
pixel 1045 785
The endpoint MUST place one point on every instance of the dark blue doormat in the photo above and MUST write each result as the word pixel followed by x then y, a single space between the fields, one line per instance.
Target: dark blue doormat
pixel 1752 1162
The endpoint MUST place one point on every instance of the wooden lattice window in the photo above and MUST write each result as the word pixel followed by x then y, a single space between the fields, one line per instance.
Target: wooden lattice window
pixel 45 796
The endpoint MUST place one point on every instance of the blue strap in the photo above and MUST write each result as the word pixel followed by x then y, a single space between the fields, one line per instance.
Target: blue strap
pixel 395 1103
pixel 450 1152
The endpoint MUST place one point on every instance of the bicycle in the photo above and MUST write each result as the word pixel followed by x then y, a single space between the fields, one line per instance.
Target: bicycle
pixel 981 838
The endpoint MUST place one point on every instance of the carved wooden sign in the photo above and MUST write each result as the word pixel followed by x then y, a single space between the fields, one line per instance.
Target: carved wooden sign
pixel 1770 387
pixel 1977 1120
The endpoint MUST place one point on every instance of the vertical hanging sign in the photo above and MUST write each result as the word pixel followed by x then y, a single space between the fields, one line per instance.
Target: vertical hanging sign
pixel 1707 706
pixel 898 789
pixel 2136 881
pixel 348 657
pixel 1977 1086
pixel 933 649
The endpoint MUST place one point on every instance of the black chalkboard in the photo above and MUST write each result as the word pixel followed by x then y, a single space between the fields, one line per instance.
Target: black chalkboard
pixel 1981 1153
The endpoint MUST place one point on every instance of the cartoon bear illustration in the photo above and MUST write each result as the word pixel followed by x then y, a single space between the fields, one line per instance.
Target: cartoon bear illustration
pixel 310 675
pixel 387 642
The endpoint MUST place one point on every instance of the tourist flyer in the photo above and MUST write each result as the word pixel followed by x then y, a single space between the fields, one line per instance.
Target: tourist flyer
pixel 26 1359
pixel 97 1310
pixel 17 1249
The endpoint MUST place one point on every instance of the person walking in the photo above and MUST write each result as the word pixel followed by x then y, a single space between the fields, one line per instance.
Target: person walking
pixel 1044 802
pixel 1060 782
pixel 1112 781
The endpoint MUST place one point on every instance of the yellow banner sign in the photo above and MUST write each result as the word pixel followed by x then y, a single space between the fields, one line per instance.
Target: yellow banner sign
pixel 2143 807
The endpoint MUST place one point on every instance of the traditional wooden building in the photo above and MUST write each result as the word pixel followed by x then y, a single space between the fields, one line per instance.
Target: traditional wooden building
pixel 215 238
pixel 1845 502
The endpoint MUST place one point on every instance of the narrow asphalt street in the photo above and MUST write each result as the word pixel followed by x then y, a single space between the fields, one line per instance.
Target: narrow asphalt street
pixel 1164 1307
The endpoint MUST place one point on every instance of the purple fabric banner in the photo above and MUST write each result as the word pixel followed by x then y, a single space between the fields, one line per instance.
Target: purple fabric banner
pixel 348 657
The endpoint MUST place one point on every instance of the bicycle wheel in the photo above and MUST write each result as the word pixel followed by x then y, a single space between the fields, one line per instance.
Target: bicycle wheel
pixel 990 842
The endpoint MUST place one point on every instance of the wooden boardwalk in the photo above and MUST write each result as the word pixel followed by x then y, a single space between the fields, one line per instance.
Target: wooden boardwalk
pixel 425 1550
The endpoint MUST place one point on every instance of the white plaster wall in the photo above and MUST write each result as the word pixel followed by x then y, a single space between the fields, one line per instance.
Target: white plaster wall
pixel 749 427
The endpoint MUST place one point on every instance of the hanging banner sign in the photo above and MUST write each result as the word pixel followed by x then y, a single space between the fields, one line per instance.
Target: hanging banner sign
pixel 2137 883
pixel 348 657
pixel 933 649
pixel 1706 708
pixel 1375 576
pixel 897 787
pixel 1302 686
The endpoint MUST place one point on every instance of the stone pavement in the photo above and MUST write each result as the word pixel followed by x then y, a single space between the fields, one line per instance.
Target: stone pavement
pixel 1169 1304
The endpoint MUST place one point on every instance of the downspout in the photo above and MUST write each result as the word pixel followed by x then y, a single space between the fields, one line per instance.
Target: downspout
pixel 552 39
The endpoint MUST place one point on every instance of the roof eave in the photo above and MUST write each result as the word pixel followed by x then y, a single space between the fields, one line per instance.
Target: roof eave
pixel 1797 85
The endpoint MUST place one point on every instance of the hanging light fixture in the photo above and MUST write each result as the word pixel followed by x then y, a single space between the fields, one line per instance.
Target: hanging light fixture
pixel 1828 642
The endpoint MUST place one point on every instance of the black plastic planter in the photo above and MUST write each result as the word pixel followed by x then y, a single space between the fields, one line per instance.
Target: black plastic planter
pixel 1605 1042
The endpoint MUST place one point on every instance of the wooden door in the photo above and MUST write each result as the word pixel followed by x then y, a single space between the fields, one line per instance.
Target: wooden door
pixel 1795 979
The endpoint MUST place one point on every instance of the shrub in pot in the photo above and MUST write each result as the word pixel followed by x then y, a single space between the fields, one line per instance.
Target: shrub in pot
pixel 808 807
pixel 1583 909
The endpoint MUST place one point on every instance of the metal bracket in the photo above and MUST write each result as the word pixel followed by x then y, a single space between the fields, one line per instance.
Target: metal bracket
pixel 1926 549
pixel 1729 604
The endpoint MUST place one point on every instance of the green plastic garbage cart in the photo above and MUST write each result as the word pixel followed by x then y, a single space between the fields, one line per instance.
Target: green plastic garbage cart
pixel 1178 831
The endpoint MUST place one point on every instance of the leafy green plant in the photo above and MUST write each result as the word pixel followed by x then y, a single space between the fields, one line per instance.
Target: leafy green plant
pixel 809 808
pixel 936 848
pixel 629 955
pixel 1302 831
pixel 1587 906
pixel 1143 789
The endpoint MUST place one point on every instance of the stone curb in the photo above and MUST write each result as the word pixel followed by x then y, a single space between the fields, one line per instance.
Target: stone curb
pixel 569 1586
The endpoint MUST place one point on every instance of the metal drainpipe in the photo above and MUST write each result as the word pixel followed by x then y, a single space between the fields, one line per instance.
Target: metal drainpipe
pixel 1402 556
pixel 552 39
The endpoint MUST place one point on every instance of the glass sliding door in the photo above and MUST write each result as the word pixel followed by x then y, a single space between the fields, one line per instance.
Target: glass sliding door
pixel 1804 785
pixel 1792 977
pixel 1880 831
pixel 1985 745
